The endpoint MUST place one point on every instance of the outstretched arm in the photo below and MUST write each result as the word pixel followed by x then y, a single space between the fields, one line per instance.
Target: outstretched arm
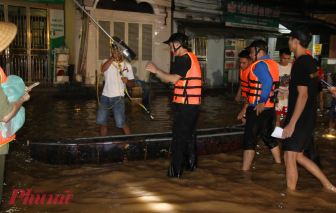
pixel 172 78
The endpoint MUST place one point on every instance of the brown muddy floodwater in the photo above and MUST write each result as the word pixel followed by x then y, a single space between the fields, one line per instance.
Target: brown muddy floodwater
pixel 218 185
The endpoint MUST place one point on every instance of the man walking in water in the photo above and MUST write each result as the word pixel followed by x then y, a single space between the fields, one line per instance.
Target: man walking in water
pixel 260 114
pixel 187 99
pixel 301 116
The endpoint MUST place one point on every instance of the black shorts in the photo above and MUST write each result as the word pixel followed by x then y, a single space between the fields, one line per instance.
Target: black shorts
pixel 319 87
pixel 302 134
pixel 262 124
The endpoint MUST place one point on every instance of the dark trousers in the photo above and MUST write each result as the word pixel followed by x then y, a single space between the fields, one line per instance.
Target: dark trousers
pixel 262 124
pixel 184 147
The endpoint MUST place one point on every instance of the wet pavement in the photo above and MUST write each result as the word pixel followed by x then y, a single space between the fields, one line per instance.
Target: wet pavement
pixel 218 185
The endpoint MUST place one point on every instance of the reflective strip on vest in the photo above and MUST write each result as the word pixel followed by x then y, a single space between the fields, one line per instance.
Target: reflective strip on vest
pixel 3 76
pixel 188 90
pixel 244 80
pixel 3 141
pixel 255 84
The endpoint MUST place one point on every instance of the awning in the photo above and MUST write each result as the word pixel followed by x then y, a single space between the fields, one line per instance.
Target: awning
pixel 316 26
pixel 204 28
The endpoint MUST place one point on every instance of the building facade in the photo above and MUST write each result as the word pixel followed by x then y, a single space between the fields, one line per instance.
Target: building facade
pixel 142 25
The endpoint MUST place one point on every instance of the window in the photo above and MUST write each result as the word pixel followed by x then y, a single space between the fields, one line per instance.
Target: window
pixel 104 41
pixel 138 37
pixel 133 38
pixel 119 30
pixel 147 42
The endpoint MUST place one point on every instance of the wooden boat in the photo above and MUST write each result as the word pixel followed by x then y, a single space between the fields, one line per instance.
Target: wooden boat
pixel 122 148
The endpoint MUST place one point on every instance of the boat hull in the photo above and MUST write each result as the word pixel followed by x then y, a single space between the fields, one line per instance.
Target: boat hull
pixel 113 149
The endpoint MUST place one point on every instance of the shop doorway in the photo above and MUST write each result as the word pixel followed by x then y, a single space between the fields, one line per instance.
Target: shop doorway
pixel 27 56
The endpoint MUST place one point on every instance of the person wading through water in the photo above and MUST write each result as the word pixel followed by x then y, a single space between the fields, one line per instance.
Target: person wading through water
pixel 187 99
pixel 260 113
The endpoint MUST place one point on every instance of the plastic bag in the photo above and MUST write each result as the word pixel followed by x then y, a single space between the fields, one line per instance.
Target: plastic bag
pixel 13 125
pixel 14 88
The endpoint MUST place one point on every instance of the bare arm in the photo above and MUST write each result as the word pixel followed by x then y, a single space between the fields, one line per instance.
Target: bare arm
pixel 282 92
pixel 284 84
pixel 173 78
pixel 243 111
pixel 130 83
pixel 333 91
pixel 17 105
pixel 107 64
pixel 299 106
pixel 238 96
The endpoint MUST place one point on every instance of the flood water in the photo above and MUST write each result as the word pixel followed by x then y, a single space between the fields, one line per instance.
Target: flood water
pixel 218 185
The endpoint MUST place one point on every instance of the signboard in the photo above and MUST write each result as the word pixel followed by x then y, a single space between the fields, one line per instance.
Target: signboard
pixel 208 6
pixel 230 55
pixel 317 49
pixel 331 61
pixel 246 15
pixel 46 1
pixel 56 33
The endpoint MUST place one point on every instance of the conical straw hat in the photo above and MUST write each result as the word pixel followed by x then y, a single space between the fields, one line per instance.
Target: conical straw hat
pixel 7 34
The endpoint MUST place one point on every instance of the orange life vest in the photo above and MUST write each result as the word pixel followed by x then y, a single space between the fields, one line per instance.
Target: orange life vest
pixel 255 84
pixel 188 90
pixel 244 80
pixel 3 140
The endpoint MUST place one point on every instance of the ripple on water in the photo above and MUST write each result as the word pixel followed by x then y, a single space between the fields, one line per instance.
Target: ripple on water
pixel 218 185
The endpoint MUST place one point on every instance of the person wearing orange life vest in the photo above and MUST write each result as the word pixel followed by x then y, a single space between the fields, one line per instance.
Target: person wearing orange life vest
pixel 260 113
pixel 244 63
pixel 187 99
pixel 7 110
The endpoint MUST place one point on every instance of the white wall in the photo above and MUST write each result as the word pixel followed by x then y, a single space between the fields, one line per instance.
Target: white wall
pixel 161 32
pixel 215 61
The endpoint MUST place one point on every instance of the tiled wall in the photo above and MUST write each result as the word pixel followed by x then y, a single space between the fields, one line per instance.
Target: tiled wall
pixel 161 32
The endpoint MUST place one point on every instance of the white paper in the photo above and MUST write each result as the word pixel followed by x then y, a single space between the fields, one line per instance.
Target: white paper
pixel 277 133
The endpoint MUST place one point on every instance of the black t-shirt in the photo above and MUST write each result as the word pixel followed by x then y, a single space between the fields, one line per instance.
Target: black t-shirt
pixel 182 65
pixel 303 73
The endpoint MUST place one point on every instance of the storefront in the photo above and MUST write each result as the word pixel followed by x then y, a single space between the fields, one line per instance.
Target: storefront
pixel 220 46
pixel 142 26
pixel 226 37
pixel 40 28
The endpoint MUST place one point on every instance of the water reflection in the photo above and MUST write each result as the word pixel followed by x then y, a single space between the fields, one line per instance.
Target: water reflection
pixel 218 185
